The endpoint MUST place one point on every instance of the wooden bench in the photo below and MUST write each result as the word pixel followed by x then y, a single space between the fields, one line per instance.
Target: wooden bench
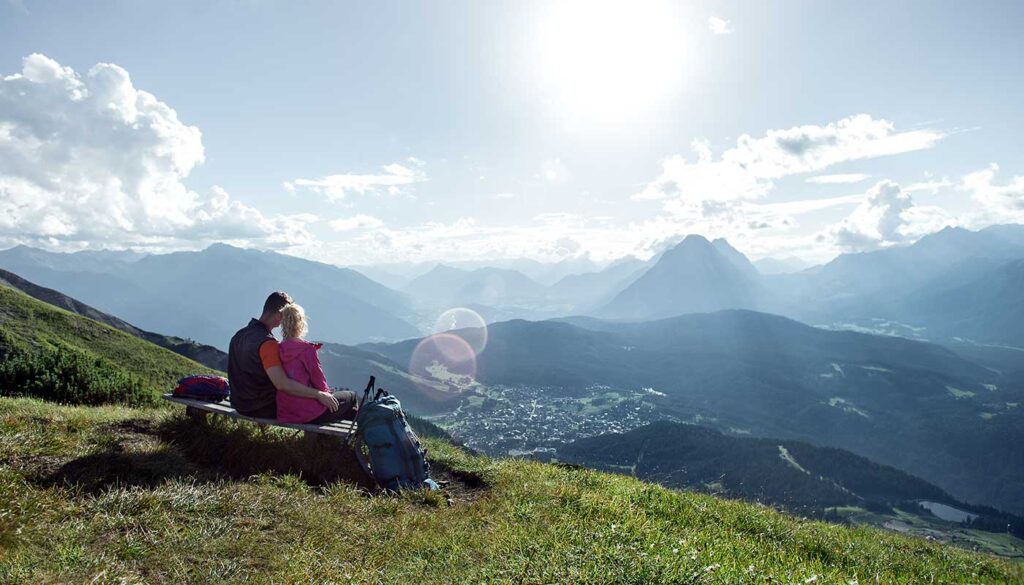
pixel 198 409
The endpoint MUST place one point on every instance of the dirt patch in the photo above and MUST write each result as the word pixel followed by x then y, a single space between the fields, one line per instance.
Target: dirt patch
pixel 460 487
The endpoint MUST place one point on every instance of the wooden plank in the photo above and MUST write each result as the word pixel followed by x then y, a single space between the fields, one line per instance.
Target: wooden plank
pixel 336 429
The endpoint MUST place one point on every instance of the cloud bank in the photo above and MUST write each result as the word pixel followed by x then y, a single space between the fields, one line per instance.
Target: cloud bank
pixel 392 180
pixel 747 170
pixel 87 160
pixel 887 216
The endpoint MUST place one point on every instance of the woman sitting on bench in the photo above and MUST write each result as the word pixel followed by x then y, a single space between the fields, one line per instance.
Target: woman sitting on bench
pixel 300 361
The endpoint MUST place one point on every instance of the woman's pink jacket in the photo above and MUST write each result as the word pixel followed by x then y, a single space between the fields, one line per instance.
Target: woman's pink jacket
pixel 302 364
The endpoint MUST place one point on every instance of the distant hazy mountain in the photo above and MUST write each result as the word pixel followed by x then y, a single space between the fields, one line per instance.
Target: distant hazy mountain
pixel 18 258
pixel 906 268
pixel 989 308
pixel 445 285
pixel 592 288
pixel 737 258
pixel 389 279
pixel 545 273
pixel 933 288
pixel 694 276
pixel 912 405
pixel 786 265
pixel 397 275
pixel 208 295
pixel 207 355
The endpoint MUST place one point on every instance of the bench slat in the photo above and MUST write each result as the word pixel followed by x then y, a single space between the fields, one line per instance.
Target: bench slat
pixel 336 429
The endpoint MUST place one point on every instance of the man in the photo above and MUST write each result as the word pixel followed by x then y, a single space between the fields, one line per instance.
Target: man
pixel 254 366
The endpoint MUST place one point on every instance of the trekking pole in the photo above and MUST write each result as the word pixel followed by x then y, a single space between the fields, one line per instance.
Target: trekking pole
pixel 369 388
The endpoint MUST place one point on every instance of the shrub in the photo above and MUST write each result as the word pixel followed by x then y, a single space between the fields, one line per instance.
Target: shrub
pixel 69 376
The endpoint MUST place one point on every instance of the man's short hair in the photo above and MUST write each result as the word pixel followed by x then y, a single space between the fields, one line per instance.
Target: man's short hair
pixel 275 302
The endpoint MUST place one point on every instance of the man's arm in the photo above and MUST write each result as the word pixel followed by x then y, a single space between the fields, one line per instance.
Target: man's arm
pixel 283 383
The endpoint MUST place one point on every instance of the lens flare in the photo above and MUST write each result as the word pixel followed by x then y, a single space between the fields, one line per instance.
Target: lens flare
pixel 447 358
pixel 464 323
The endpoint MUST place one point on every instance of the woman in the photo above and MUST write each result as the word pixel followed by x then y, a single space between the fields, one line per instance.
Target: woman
pixel 300 361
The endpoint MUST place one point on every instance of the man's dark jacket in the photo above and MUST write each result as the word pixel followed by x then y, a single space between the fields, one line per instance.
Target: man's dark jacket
pixel 252 392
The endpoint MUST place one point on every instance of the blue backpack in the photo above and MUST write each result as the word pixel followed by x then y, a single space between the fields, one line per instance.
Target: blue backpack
pixel 396 459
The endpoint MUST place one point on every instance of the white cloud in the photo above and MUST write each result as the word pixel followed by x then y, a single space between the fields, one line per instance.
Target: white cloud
pixel 887 216
pixel 845 179
pixel 356 222
pixel 747 170
pixel 504 195
pixel 394 178
pixel 998 203
pixel 929 186
pixel 91 160
pixel 719 26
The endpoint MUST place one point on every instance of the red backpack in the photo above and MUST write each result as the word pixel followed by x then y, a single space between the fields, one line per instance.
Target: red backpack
pixel 203 387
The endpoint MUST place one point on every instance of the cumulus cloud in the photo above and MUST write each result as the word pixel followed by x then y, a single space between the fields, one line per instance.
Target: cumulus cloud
pixel 356 222
pixel 719 26
pixel 997 203
pixel 393 178
pixel 91 160
pixel 747 170
pixel 840 179
pixel 887 216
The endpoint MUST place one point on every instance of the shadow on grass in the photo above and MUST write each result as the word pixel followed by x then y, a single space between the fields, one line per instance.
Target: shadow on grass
pixel 239 450
pixel 144 453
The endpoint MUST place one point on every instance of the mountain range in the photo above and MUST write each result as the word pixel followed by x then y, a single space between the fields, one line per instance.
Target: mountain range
pixel 953 286
pixel 208 295
pixel 913 405
pixel 950 286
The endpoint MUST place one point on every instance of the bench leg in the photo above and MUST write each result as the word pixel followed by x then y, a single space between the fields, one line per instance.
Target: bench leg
pixel 197 415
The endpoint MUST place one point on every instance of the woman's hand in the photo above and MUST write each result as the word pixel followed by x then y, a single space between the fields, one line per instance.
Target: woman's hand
pixel 328 400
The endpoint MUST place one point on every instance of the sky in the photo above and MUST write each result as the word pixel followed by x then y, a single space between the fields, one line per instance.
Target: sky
pixel 378 132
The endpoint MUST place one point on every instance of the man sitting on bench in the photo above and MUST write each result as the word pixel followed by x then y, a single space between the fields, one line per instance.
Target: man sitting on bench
pixel 254 366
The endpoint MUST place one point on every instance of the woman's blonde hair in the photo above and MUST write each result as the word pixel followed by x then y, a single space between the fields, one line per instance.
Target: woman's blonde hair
pixel 293 322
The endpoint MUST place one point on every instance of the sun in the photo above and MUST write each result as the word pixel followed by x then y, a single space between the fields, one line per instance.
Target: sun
pixel 603 61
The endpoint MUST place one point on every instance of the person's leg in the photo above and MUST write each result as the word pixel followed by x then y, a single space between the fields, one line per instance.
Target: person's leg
pixel 346 408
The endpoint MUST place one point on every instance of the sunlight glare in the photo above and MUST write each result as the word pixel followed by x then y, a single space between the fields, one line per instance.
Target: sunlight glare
pixel 607 61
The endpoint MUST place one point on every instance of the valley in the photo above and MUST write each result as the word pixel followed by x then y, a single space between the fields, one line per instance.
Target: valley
pixel 530 421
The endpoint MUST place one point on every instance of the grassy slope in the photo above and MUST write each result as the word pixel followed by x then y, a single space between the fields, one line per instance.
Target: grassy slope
pixel 534 522
pixel 27 322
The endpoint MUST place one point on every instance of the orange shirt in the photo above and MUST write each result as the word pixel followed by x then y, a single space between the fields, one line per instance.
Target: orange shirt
pixel 269 354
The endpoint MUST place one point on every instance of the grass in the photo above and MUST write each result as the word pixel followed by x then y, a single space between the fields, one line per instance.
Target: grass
pixel 28 325
pixel 174 502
